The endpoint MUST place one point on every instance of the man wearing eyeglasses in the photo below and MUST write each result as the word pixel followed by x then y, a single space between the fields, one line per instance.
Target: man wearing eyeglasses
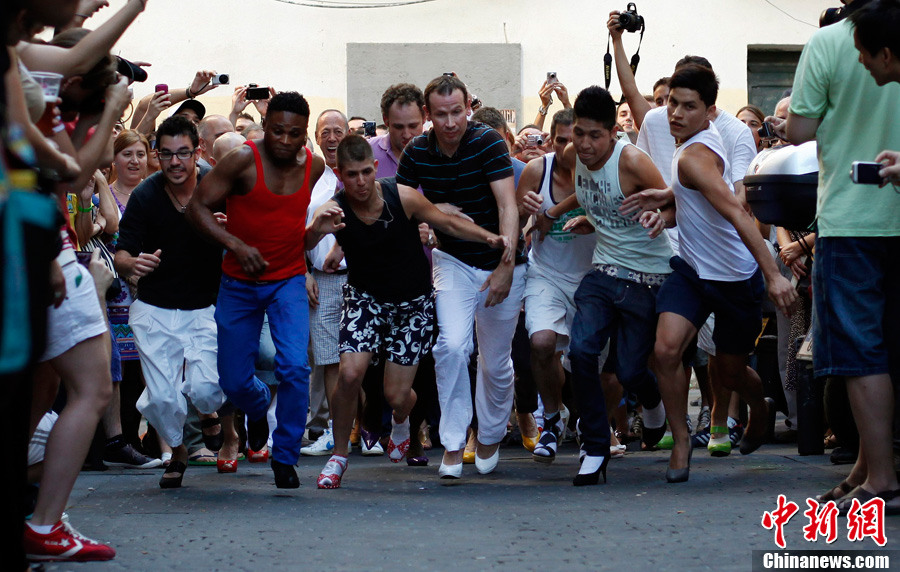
pixel 177 273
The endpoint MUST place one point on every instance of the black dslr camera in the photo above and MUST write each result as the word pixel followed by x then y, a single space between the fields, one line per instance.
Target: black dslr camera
pixel 630 20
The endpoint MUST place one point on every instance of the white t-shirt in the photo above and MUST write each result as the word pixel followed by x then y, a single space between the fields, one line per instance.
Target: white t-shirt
pixel 709 243
pixel 322 193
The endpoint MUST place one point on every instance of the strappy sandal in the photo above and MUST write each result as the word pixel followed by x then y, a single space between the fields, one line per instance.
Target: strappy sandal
pixel 212 442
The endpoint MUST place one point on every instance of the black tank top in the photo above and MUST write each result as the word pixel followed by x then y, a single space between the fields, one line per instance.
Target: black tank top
pixel 385 256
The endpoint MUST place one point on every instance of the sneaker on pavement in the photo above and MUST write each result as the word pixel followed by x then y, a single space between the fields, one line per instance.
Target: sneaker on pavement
pixel 703 419
pixel 373 451
pixel 700 438
pixel 118 453
pixel 324 445
pixel 64 544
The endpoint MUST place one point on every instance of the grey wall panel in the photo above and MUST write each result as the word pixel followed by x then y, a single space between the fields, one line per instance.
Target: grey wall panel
pixel 492 71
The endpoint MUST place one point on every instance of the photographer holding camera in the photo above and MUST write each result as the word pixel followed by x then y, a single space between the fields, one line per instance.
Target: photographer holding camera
pixel 550 86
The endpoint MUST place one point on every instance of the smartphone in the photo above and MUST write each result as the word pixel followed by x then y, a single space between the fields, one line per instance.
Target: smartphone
pixel 369 128
pixel 256 93
pixel 865 173
pixel 767 131
pixel 161 87
pixel 219 79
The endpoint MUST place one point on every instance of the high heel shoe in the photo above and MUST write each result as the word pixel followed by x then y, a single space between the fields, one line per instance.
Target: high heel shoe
pixel 585 479
pixel 173 482
pixel 680 475
pixel 486 466
pixel 450 472
pixel 226 465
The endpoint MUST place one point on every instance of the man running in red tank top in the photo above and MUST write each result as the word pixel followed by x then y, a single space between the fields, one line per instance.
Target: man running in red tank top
pixel 264 187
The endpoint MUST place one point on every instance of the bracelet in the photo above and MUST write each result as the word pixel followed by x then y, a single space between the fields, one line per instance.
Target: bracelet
pixel 549 216
pixel 542 111
pixel 187 91
pixel 59 128
pixel 87 210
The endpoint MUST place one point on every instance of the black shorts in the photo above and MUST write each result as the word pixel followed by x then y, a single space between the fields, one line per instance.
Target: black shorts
pixel 737 305
pixel 403 331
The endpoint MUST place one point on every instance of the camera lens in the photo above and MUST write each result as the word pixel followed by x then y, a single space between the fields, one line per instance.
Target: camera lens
pixel 223 78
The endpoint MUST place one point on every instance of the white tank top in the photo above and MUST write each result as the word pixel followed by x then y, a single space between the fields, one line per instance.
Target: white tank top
pixel 562 254
pixel 708 242
pixel 620 241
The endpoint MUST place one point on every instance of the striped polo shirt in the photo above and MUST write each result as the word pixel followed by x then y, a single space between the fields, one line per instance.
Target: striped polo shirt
pixel 463 180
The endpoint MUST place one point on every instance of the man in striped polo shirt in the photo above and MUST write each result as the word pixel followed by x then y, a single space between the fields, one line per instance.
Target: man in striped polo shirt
pixel 465 169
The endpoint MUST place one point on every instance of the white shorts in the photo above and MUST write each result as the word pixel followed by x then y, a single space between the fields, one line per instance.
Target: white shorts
pixel 549 305
pixel 78 318
pixel 38 443
pixel 705 336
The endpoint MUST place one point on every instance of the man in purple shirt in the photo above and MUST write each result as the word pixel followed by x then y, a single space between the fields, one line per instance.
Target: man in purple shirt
pixel 402 110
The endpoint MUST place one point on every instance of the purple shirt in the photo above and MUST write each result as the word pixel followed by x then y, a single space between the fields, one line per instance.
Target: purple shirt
pixel 387 163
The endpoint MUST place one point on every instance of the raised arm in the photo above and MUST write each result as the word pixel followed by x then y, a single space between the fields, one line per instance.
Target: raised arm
pixel 636 102
pixel 81 57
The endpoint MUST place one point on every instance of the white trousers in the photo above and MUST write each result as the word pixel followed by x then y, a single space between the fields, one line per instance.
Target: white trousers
pixel 460 305
pixel 178 357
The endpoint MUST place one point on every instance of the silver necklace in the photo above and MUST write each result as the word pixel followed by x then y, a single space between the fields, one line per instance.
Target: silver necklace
pixel 378 218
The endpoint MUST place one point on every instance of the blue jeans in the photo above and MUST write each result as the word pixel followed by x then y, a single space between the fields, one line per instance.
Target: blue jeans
pixel 239 316
pixel 856 331
pixel 607 307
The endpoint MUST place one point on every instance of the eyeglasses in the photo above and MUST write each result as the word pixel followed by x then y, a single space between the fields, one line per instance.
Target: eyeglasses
pixel 182 154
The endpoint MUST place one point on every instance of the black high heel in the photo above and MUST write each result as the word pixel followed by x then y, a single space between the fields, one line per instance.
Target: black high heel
pixel 173 482
pixel 680 475
pixel 592 478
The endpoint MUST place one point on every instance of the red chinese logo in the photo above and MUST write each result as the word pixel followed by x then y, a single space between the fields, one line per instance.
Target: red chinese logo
pixel 779 517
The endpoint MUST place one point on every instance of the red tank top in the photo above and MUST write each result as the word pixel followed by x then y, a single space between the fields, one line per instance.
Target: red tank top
pixel 273 224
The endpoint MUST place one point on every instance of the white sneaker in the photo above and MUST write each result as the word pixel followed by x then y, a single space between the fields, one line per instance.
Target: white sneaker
pixel 375 451
pixel 324 445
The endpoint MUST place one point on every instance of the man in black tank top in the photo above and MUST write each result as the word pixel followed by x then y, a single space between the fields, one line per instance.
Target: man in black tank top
pixel 388 300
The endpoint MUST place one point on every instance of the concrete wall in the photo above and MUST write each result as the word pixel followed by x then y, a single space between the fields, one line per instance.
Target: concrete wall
pixel 305 49
pixel 493 72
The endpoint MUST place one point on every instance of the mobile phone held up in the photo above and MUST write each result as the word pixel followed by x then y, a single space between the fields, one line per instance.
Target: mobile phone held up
pixel 256 93
pixel 369 129
pixel 866 173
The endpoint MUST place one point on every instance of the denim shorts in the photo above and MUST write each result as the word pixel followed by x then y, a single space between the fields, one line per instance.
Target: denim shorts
pixel 856 284
pixel 737 305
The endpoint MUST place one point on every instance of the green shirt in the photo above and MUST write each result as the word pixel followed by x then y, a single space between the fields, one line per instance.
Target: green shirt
pixel 859 120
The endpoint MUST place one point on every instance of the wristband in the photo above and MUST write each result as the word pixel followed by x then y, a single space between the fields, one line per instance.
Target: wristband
pixel 59 128
pixel 549 216
pixel 87 210
pixel 187 91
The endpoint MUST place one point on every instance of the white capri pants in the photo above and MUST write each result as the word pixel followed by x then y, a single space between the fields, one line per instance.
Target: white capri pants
pixel 460 305
pixel 178 357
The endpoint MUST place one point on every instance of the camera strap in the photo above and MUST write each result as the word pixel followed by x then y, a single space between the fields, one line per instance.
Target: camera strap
pixel 607 61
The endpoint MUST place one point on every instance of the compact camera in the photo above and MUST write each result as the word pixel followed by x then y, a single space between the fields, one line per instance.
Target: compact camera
pixel 535 140
pixel 219 79
pixel 630 20
pixel 256 93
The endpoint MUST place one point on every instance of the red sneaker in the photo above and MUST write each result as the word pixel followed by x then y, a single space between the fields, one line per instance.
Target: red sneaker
pixel 66 544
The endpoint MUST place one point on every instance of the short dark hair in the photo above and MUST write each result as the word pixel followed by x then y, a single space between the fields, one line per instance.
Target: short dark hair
pixel 353 149
pixel 529 126
pixel 698 78
pixel 402 93
pixel 597 104
pixel 661 81
pixel 245 115
pixel 491 117
pixel 289 101
pixel 445 85
pixel 877 25
pixel 178 125
pixel 698 60
pixel 355 117
pixel 561 117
